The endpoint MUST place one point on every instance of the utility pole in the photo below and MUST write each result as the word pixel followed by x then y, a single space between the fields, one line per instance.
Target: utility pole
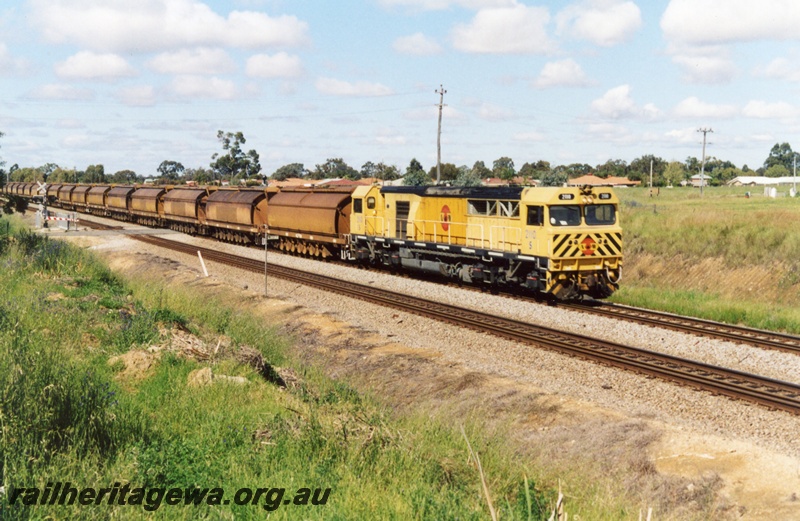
pixel 705 131
pixel 441 92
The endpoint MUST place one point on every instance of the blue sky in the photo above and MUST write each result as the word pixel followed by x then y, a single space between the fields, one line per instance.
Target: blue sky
pixel 130 84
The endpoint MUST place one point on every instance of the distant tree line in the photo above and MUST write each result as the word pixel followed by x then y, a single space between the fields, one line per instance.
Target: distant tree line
pixel 237 166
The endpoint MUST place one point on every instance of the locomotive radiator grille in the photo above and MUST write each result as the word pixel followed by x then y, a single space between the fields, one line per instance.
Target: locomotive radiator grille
pixel 577 245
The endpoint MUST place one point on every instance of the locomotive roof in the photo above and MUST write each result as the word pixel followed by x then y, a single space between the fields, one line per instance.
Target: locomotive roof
pixel 476 192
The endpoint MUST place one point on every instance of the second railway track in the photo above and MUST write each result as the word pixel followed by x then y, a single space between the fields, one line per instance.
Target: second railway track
pixel 771 393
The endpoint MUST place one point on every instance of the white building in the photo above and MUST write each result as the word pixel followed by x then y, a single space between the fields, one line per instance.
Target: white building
pixel 761 181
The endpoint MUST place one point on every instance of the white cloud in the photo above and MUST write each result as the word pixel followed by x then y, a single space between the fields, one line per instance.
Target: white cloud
pixel 62 92
pixel 702 22
pixel 417 44
pixel 10 65
pixel 505 30
pixel 87 65
pixel 602 22
pixel 683 135
pixel 564 73
pixel 190 86
pixel 193 61
pixel 388 137
pixel 280 65
pixel 705 65
pixel 151 25
pixel 343 88
pixel 528 137
pixel 138 96
pixel 780 69
pixel 618 104
pixel 693 108
pixel 765 110
pixel 436 5
pixel 489 112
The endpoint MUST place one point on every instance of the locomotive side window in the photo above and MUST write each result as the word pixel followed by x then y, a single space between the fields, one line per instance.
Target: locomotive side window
pixel 509 209
pixel 371 203
pixel 481 207
pixel 565 215
pixel 535 215
pixel 600 214
pixel 358 205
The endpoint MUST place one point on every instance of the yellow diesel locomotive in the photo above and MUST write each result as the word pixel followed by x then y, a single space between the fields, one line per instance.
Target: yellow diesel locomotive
pixel 565 242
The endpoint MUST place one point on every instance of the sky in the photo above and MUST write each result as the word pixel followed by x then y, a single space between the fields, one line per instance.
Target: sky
pixel 131 84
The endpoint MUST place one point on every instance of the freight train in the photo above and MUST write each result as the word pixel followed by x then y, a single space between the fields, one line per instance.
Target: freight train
pixel 564 242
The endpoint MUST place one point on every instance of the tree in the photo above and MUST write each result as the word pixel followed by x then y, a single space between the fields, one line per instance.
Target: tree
pixel 639 170
pixel 123 177
pixel 93 174
pixel 3 172
pixel 480 170
pixel 368 170
pixel 386 172
pixel 170 171
pixel 201 176
pixel 334 168
pixel 781 155
pixel 577 170
pixel 415 175
pixel 449 172
pixel 504 168
pixel 291 170
pixel 675 173
pixel 777 170
pixel 235 162
pixel 615 168
pixel 554 178
pixel 467 177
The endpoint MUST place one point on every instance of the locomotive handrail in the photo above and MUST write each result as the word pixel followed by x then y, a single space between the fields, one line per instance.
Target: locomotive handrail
pixel 375 228
pixel 435 236
pixel 506 245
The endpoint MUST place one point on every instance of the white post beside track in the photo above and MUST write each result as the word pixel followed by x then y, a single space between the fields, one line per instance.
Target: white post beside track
pixel 202 263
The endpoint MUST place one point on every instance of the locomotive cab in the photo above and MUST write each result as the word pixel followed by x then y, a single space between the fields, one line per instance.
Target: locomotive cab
pixel 575 234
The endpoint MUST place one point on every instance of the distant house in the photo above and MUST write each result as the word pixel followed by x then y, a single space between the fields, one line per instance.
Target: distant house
pixel 761 181
pixel 696 179
pixel 593 180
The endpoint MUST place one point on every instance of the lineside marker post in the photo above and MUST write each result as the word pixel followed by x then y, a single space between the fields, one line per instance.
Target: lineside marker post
pixel 202 263
pixel 266 241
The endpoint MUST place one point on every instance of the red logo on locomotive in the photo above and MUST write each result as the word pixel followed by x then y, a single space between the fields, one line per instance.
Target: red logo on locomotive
pixel 445 217
pixel 588 246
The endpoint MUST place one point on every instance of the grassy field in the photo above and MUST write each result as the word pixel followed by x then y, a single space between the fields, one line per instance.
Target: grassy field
pixel 67 415
pixel 722 256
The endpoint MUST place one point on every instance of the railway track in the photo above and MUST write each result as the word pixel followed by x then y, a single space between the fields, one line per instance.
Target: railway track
pixel 691 325
pixel 770 393
pixel 695 326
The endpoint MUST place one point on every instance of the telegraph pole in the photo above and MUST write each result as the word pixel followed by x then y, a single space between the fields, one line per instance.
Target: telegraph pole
pixel 705 131
pixel 441 92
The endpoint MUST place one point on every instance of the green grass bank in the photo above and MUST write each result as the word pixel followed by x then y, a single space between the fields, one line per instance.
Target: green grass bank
pixel 723 255
pixel 67 415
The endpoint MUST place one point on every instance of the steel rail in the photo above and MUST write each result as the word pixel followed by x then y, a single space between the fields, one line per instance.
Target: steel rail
pixel 768 392
pixel 696 326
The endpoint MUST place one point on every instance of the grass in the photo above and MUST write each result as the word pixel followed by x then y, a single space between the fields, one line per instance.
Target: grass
pixel 723 256
pixel 68 416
